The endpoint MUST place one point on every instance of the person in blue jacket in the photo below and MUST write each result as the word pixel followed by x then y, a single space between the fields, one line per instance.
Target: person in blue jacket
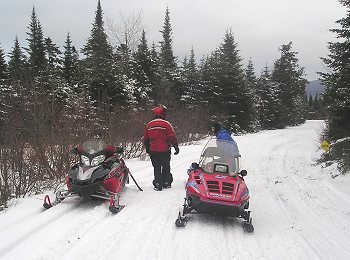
pixel 221 133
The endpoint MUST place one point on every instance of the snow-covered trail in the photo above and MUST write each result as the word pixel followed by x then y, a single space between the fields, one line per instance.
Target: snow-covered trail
pixel 299 212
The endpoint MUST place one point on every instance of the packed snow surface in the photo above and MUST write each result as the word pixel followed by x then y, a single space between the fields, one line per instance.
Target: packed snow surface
pixel 299 211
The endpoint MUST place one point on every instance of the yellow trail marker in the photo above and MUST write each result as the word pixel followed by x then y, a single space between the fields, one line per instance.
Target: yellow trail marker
pixel 325 145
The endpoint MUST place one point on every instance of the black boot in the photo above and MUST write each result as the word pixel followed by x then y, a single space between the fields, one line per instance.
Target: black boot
pixel 167 185
pixel 157 186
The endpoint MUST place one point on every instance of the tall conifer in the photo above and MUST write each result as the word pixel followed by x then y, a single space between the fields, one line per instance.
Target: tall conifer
pixel 235 101
pixel 288 76
pixel 36 45
pixel 337 96
pixel 143 71
pixel 3 66
pixel 17 62
pixel 170 88
pixel 70 60
pixel 98 64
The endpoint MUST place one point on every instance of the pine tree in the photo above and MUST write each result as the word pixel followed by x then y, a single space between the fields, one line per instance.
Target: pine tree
pixel 5 94
pixel 51 81
pixel 270 104
pixel 288 76
pixel 251 82
pixel 210 90
pixel 36 46
pixel 234 101
pixel 98 67
pixel 155 75
pixel 52 53
pixel 123 69
pixel 168 60
pixel 170 89
pixel 70 60
pixel 337 95
pixel 17 62
pixel 142 71
pixel 191 79
pixel 3 66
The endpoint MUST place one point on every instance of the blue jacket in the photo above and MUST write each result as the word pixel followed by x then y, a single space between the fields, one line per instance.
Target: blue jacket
pixel 224 134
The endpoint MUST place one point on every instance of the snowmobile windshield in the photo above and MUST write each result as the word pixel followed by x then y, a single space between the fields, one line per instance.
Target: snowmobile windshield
pixel 93 152
pixel 220 157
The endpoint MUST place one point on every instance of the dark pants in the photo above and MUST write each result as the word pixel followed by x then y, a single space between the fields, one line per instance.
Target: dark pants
pixel 161 165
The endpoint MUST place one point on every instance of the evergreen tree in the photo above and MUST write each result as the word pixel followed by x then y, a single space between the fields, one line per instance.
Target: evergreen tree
pixel 251 82
pixel 143 72
pixel 52 54
pixel 17 62
pixel 98 68
pixel 3 66
pixel 51 81
pixel 70 60
pixel 123 67
pixel 3 87
pixel 270 104
pixel 36 46
pixel 337 95
pixel 210 89
pixel 5 94
pixel 234 100
pixel 168 60
pixel 170 89
pixel 155 75
pixel 125 60
pixel 310 101
pixel 191 78
pixel 289 78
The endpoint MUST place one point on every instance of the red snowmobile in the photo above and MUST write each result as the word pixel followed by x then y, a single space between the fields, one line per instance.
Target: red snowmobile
pixel 100 173
pixel 216 186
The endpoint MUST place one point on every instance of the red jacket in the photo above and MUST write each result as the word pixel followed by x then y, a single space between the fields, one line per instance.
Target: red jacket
pixel 159 135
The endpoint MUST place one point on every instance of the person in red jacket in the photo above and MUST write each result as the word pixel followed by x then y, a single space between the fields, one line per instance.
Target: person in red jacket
pixel 159 136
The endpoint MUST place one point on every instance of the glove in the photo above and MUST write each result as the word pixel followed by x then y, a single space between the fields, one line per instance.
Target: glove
pixel 176 150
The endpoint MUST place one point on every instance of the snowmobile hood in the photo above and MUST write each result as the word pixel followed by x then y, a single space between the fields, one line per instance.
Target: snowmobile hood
pixel 217 187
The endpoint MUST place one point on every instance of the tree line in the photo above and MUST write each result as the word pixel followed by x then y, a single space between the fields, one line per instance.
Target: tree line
pixel 337 94
pixel 115 76
pixel 51 99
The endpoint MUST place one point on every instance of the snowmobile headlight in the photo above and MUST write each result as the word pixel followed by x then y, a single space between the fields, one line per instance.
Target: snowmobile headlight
pixel 98 160
pixel 220 168
pixel 85 160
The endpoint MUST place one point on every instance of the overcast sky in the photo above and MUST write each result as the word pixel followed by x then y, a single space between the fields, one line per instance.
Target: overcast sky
pixel 260 27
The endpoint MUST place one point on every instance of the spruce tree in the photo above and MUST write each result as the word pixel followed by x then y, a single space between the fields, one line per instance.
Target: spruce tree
pixel 5 94
pixel 191 79
pixel 155 77
pixel 170 89
pixel 251 82
pixel 70 60
pixel 210 89
pixel 168 60
pixel 3 66
pixel 52 54
pixel 337 81
pixel 269 102
pixel 234 101
pixel 98 66
pixel 143 72
pixel 288 76
pixel 17 62
pixel 52 81
pixel 36 45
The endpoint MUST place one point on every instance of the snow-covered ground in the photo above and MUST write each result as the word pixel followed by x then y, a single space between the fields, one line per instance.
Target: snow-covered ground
pixel 299 212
